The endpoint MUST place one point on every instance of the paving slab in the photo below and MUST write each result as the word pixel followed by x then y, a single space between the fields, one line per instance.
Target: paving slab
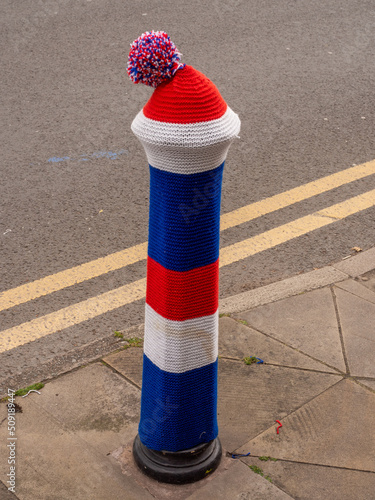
pixel 357 317
pixel 5 494
pixel 95 403
pixel 358 264
pixel 334 429
pixel 306 322
pixel 239 483
pixel 239 341
pixel 54 463
pixel 357 288
pixel 252 397
pixel 314 482
pixel 128 362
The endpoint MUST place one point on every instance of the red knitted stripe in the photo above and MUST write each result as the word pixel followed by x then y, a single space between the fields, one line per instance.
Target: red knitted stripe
pixel 189 97
pixel 184 295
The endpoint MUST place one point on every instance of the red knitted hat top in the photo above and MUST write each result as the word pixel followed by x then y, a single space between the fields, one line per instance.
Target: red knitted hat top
pixel 188 97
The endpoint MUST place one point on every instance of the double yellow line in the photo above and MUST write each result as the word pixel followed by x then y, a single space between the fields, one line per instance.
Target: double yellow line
pixel 114 299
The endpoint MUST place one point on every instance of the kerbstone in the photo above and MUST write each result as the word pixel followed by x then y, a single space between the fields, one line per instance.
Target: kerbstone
pixel 334 429
pixel 358 264
pixel 239 341
pixel 306 322
pixel 281 289
pixel 368 280
pixel 357 317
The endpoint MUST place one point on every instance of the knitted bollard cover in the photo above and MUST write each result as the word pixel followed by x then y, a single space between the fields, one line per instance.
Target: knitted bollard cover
pixel 186 129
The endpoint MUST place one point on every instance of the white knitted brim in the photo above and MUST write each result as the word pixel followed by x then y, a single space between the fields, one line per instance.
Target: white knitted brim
pixel 187 148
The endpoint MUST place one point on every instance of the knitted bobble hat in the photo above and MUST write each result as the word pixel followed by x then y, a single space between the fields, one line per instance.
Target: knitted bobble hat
pixel 185 110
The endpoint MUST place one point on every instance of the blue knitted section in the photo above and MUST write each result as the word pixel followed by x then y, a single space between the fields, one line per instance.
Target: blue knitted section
pixel 184 227
pixel 178 410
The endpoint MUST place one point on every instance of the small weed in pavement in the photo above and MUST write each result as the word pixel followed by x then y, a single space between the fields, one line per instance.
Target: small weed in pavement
pixel 250 360
pixel 119 335
pixel 243 321
pixel 259 471
pixel 265 459
pixel 34 387
pixel 133 342
pixel 224 315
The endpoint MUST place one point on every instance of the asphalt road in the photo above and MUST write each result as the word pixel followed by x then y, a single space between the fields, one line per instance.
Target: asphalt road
pixel 74 180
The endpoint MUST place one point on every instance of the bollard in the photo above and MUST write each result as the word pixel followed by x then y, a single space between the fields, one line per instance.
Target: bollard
pixel 186 129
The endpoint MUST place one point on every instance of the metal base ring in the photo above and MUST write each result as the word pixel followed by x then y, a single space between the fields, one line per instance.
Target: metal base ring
pixel 181 467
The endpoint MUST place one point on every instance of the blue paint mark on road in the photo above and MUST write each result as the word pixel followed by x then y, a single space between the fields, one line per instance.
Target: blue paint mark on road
pixel 56 159
pixel 111 155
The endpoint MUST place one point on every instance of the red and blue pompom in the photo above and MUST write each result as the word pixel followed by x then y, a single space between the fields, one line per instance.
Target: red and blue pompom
pixel 153 58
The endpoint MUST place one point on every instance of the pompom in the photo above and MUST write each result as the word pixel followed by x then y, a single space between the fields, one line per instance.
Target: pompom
pixel 153 58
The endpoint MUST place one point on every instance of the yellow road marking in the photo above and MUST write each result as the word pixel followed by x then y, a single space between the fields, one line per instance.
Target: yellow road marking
pixel 300 193
pixel 71 315
pixel 103 265
pixel 95 306
pixel 291 230
pixel 69 277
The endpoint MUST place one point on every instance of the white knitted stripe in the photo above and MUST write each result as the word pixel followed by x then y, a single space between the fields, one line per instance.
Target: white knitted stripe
pixel 180 346
pixel 187 148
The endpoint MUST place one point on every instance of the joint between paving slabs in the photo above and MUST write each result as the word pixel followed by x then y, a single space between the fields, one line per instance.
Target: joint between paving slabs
pixel 352 293
pixel 119 373
pixel 238 360
pixel 361 384
pixel 339 372
pixel 340 330
pixel 313 464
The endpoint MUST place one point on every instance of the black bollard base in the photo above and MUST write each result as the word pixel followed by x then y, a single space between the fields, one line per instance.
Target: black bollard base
pixel 181 467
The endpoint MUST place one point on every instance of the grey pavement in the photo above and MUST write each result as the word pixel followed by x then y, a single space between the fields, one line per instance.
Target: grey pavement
pixel 315 333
